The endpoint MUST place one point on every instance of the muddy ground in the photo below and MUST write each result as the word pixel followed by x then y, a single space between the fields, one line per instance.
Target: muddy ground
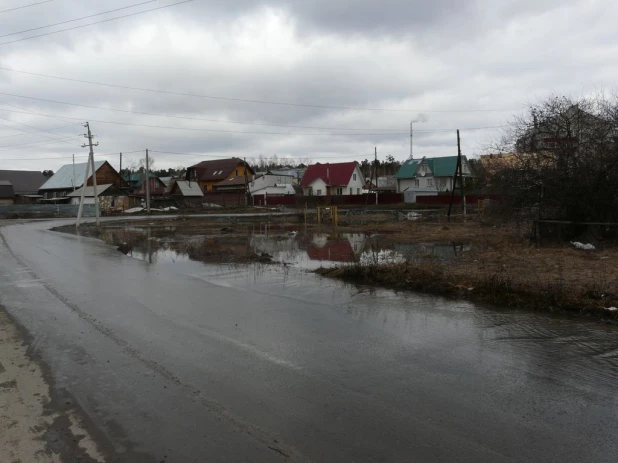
pixel 34 424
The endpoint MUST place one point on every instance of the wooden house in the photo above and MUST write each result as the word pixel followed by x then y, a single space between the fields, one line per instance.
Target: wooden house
pixel 220 174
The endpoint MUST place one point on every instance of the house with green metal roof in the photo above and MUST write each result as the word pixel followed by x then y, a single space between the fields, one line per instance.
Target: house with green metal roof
pixel 429 176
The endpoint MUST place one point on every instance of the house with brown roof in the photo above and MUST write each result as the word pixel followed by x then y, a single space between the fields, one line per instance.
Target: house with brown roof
pixel 221 174
pixel 70 177
pixel 340 178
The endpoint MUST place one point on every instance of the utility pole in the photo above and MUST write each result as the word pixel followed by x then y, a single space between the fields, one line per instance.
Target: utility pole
pixel 457 169
pixel 147 184
pixel 375 168
pixel 73 181
pixel 461 180
pixel 89 165
pixel 120 171
pixel 411 140
pixel 246 183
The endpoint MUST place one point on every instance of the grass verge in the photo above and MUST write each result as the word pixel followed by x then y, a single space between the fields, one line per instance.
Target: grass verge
pixel 497 288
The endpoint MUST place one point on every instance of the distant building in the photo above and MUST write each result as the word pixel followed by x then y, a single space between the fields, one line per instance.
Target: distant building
pixel 111 198
pixel 70 177
pixel 343 178
pixel 187 192
pixel 274 184
pixel 429 176
pixel 296 173
pixel 382 184
pixel 26 184
pixel 137 184
pixel 7 193
pixel 231 173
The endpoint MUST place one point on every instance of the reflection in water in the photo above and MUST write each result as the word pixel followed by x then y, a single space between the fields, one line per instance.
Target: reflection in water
pixel 304 249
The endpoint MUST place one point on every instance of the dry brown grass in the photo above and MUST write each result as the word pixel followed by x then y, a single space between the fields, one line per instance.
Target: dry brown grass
pixel 504 267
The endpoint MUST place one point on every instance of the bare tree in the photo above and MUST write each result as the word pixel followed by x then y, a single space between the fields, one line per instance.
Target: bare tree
pixel 562 158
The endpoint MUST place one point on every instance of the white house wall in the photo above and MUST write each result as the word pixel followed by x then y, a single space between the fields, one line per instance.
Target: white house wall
pixel 404 184
pixel 275 190
pixel 268 181
pixel 356 185
pixel 317 184
pixel 86 200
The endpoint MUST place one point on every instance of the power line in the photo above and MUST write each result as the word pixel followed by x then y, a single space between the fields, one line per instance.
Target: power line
pixel 24 132
pixel 25 6
pixel 128 111
pixel 77 19
pixel 23 145
pixel 196 95
pixel 219 156
pixel 96 22
pixel 34 128
pixel 192 129
pixel 45 159
pixel 31 127
pixel 25 111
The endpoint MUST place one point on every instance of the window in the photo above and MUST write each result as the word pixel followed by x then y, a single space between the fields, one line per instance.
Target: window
pixel 424 168
pixel 358 191
pixel 430 182
pixel 319 192
pixel 351 191
pixel 339 191
pixel 354 178
pixel 415 183
pixel 236 173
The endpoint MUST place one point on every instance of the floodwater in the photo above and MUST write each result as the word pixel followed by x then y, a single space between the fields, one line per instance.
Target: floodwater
pixel 292 246
pixel 193 359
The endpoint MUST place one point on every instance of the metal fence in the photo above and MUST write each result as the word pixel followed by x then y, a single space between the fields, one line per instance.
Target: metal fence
pixel 44 210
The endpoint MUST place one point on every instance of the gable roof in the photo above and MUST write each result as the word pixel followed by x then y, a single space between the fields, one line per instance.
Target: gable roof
pixel 102 190
pixel 233 182
pixel 408 169
pixel 137 180
pixel 440 167
pixel 69 176
pixel 25 182
pixel 443 167
pixel 215 170
pixel 185 188
pixel 6 190
pixel 338 173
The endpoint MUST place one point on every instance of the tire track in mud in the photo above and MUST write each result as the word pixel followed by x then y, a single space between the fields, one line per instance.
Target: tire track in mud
pixel 271 441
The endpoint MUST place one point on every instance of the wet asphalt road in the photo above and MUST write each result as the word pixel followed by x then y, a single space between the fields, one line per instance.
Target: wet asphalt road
pixel 203 363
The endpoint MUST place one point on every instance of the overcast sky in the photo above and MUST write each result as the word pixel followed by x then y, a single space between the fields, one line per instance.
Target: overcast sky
pixel 345 75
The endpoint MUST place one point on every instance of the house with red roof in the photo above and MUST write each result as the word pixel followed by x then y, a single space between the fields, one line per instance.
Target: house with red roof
pixel 339 178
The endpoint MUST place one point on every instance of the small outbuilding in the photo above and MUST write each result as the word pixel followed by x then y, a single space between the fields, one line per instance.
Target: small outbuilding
pixel 187 192
pixel 111 198
pixel 7 193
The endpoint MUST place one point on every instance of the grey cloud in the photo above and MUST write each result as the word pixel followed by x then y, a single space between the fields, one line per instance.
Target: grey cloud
pixel 407 55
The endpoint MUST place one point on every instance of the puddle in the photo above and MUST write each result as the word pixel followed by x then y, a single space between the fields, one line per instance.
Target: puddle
pixel 291 245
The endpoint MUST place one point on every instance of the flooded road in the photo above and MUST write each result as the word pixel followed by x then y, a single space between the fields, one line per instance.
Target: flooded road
pixel 177 359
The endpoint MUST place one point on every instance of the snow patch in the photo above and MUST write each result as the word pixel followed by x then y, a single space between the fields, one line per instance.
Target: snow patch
pixel 133 210
pixel 585 247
